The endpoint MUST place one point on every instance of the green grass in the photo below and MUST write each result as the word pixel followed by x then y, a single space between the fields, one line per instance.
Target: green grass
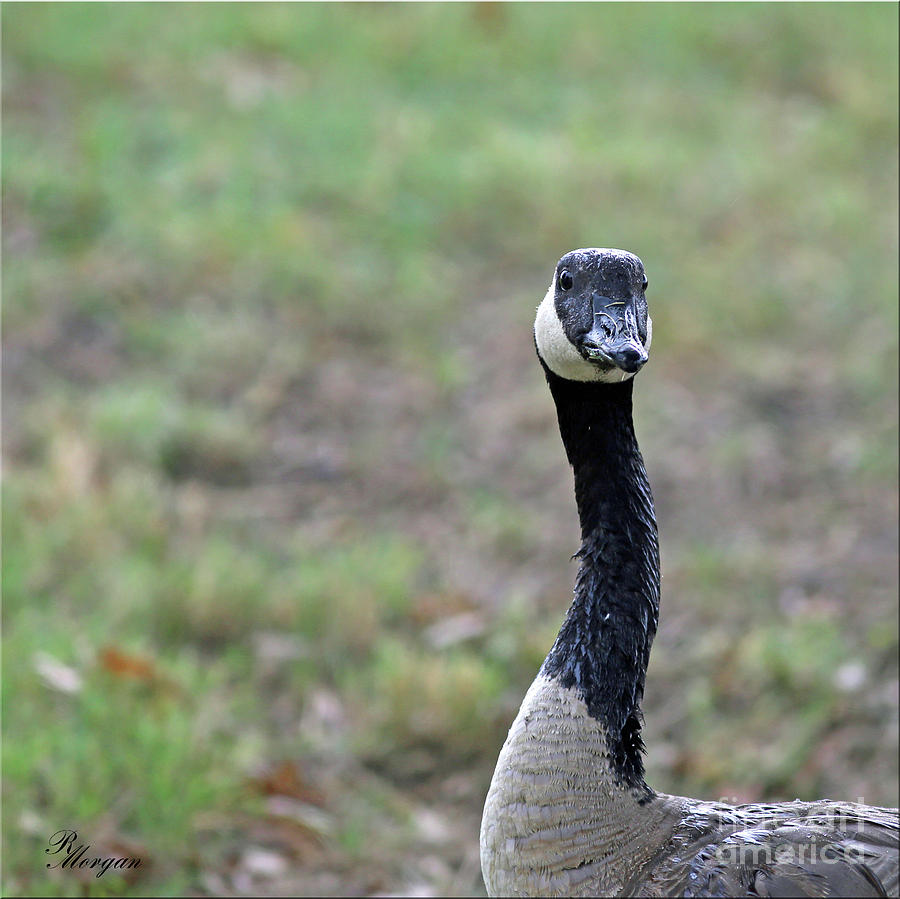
pixel 274 431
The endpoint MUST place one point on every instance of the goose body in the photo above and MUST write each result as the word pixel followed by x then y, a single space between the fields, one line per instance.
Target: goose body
pixel 568 812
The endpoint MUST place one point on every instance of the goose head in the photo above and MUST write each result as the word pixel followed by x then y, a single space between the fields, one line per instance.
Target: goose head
pixel 593 325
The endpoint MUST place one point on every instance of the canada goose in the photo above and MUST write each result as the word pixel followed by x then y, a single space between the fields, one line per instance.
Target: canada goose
pixel 568 812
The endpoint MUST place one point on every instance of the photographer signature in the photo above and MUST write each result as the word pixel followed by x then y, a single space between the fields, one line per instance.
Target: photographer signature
pixel 76 855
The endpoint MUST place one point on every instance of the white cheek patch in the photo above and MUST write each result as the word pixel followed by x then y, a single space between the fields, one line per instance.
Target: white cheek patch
pixel 556 349
pixel 558 353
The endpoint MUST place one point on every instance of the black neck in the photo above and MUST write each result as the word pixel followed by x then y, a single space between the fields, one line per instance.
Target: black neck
pixel 604 644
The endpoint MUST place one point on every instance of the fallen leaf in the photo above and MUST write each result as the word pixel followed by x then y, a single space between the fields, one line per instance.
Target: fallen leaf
pixel 310 816
pixel 32 823
pixel 125 665
pixel 56 675
pixel 139 669
pixel 263 862
pixel 285 779
pixel 291 837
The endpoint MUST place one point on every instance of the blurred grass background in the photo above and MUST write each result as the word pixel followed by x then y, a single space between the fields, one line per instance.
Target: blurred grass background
pixel 286 515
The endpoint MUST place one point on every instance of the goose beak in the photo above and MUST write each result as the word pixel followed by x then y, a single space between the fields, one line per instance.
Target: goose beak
pixel 613 339
pixel 628 355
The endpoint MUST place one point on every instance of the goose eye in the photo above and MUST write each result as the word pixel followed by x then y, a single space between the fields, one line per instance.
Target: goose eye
pixel 565 280
pixel 644 283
